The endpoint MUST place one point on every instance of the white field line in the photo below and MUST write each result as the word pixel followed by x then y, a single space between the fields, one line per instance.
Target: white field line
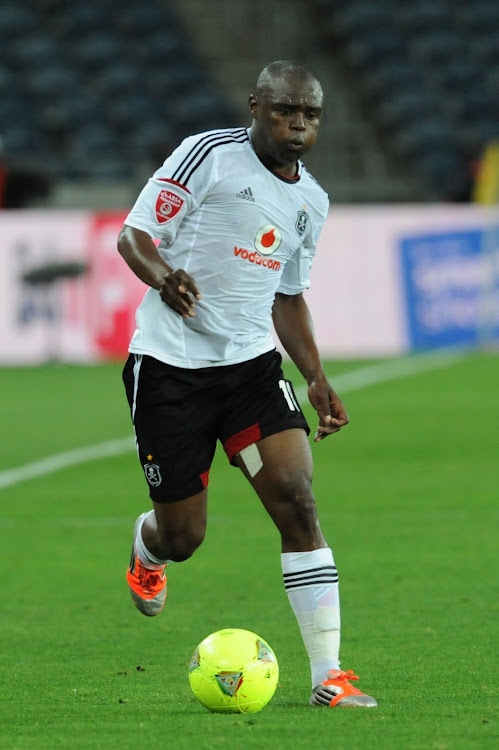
pixel 64 460
pixel 361 377
pixel 396 369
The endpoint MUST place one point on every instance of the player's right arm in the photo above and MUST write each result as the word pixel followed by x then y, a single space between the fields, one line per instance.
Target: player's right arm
pixel 177 289
pixel 158 213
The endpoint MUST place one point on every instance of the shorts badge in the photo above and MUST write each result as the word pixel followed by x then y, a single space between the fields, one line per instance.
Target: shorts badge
pixel 153 474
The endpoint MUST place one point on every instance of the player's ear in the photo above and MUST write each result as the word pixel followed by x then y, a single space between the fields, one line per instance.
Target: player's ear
pixel 253 104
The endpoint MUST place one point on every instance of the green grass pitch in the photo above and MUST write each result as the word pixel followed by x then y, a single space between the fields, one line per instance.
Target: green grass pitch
pixel 407 495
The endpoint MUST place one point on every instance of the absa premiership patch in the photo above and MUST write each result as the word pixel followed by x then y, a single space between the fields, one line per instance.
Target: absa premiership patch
pixel 167 205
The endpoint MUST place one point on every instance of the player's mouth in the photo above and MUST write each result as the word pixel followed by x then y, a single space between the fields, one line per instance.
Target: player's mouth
pixel 296 145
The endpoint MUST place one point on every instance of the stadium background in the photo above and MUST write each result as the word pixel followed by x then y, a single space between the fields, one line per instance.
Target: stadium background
pixel 93 95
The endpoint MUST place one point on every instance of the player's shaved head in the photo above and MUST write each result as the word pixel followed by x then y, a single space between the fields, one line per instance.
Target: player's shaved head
pixel 286 109
pixel 284 69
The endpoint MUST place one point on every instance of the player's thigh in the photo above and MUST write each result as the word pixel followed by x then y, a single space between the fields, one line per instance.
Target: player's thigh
pixel 285 461
pixel 280 468
pixel 174 428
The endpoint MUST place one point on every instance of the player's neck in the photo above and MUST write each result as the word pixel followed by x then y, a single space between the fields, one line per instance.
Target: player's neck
pixel 283 171
pixel 294 175
pixel 287 171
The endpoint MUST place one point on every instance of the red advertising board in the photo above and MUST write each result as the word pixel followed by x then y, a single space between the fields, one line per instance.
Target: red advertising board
pixel 114 292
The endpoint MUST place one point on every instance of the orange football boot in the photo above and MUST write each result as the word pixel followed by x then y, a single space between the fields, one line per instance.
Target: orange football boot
pixel 337 691
pixel 147 586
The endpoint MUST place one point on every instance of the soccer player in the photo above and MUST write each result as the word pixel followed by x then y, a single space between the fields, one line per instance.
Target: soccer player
pixel 238 218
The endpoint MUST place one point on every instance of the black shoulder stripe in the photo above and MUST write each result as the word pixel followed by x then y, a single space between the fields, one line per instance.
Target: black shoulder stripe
pixel 204 149
pixel 205 153
pixel 199 145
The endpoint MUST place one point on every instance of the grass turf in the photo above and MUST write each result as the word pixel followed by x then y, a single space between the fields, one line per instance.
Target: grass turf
pixel 407 496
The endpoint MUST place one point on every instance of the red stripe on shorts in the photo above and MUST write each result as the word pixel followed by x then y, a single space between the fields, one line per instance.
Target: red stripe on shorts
pixel 241 440
pixel 205 477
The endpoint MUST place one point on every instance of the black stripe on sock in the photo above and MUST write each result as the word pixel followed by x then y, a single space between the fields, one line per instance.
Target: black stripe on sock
pixel 309 570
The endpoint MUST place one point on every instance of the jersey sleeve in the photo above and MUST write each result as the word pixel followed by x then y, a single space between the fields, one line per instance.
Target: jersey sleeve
pixel 167 199
pixel 295 277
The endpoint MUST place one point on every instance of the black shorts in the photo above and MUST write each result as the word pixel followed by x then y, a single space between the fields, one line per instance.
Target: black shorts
pixel 179 414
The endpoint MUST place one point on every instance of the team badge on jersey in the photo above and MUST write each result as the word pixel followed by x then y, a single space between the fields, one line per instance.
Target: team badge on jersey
pixel 267 240
pixel 167 205
pixel 153 474
pixel 301 223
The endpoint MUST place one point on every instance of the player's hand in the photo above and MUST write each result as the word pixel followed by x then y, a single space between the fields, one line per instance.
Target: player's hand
pixel 329 407
pixel 179 291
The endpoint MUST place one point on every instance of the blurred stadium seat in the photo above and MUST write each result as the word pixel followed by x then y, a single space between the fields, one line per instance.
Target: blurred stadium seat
pixel 16 20
pixel 429 72
pixel 456 76
pixel 485 49
pixel 441 169
pixel 83 19
pixel 143 19
pixel 436 47
pixel 95 52
pixel 402 108
pixel 119 77
pixel 362 19
pixel 14 110
pixel 419 138
pixel 29 51
pixel 23 140
pixel 423 16
pixel 124 110
pixel 478 17
pixel 68 111
pixel 390 76
pixel 52 80
pixel 7 79
pixel 366 51
pixel 74 72
pixel 83 90
pixel 151 142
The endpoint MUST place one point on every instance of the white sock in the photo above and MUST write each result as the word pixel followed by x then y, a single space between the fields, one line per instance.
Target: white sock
pixel 146 557
pixel 311 582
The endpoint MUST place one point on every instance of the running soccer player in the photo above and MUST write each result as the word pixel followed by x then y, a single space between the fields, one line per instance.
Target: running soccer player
pixel 238 218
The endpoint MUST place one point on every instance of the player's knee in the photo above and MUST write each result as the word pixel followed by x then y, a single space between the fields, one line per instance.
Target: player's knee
pixel 183 546
pixel 295 513
pixel 296 493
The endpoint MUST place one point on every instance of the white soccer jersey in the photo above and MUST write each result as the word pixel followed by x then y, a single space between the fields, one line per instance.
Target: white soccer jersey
pixel 241 231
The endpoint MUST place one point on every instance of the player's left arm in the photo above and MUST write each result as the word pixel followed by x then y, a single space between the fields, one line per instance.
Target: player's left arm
pixel 293 325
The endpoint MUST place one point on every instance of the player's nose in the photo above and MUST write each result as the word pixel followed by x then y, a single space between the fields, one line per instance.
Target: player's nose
pixel 298 121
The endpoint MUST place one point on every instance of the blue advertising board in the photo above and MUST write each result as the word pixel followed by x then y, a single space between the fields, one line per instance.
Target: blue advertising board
pixel 450 287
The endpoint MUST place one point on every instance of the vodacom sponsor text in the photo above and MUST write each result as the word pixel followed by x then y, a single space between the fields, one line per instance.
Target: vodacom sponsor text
pixel 255 257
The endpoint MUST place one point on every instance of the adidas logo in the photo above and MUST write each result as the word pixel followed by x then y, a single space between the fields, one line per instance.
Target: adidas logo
pixel 247 194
